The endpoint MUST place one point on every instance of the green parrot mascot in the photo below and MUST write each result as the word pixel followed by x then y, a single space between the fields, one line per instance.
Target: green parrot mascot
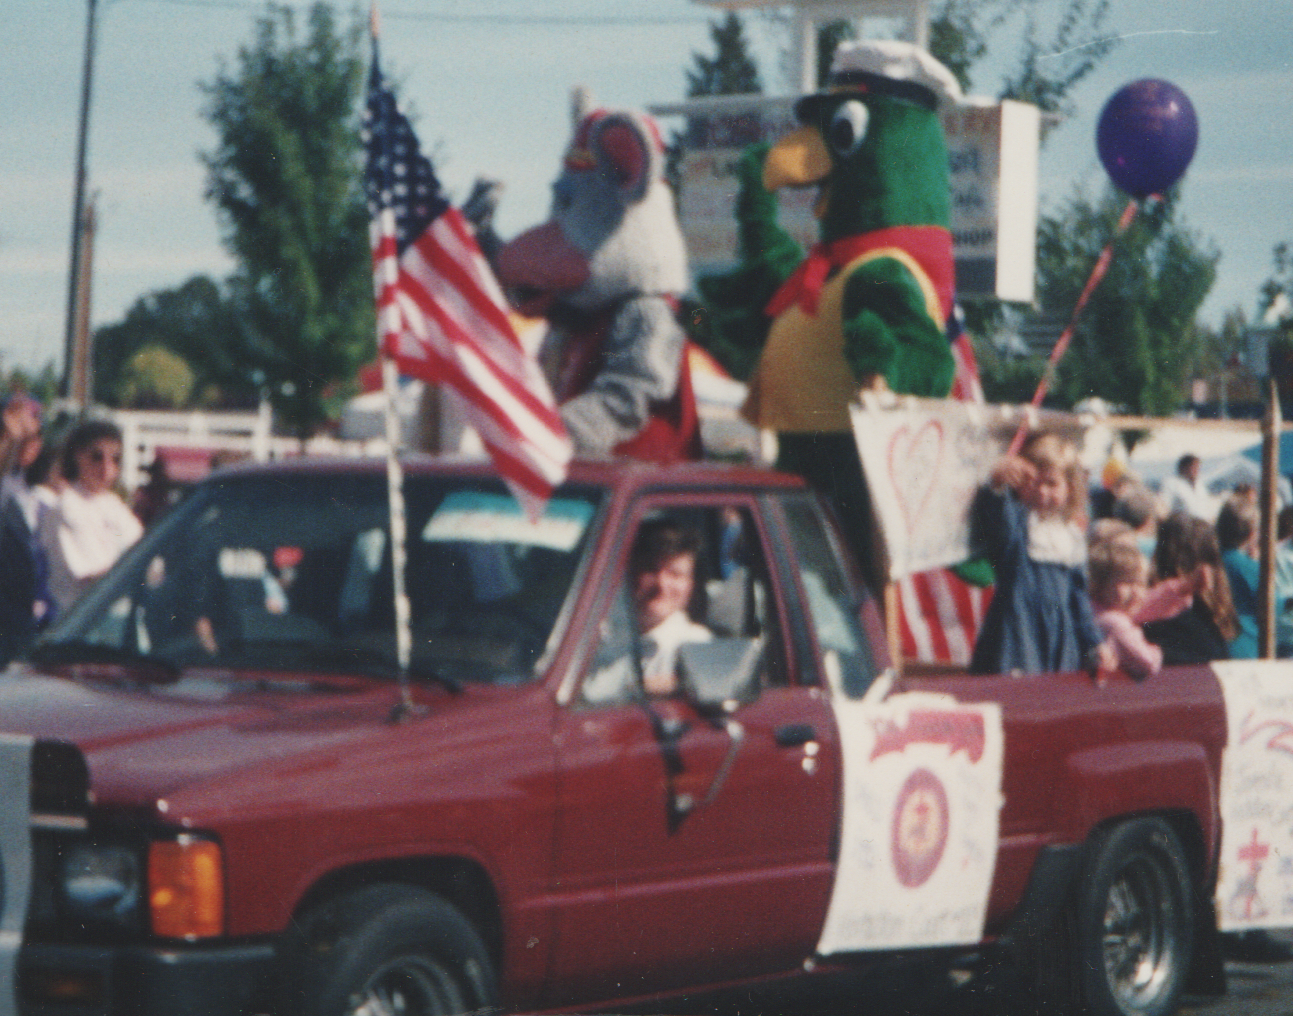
pixel 870 304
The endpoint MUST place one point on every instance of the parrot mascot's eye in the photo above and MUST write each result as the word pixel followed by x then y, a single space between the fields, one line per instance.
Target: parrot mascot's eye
pixel 848 127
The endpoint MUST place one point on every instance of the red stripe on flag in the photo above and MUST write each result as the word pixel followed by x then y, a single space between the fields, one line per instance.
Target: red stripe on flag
pixel 910 650
pixel 453 219
pixel 494 428
pixel 964 595
pixel 453 332
pixel 929 609
pixel 459 277
pixel 385 249
pixel 519 471
pixel 431 365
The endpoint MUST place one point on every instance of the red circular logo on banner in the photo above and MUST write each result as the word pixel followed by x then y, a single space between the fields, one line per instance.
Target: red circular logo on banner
pixel 919 828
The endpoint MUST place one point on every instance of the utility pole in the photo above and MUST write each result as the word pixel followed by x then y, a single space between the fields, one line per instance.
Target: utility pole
pixel 80 373
pixel 78 206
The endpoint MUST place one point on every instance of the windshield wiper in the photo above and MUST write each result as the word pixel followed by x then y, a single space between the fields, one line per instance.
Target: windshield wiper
pixel 83 651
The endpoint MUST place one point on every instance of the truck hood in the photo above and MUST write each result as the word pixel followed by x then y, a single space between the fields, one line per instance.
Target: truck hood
pixel 144 741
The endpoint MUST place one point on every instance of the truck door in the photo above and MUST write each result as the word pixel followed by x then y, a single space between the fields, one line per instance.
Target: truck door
pixel 691 848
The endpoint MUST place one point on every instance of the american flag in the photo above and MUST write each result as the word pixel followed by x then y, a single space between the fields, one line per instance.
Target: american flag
pixel 441 315
pixel 939 613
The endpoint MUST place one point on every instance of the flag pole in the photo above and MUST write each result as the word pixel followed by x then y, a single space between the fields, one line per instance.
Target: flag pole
pixel 1062 344
pixel 1267 609
pixel 395 500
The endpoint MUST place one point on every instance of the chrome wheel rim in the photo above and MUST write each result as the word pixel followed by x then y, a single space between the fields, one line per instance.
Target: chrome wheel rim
pixel 408 986
pixel 1139 933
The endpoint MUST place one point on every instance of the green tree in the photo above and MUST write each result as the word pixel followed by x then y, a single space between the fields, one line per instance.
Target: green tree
pixel 1048 62
pixel 43 385
pixel 198 322
pixel 731 70
pixel 1137 339
pixel 829 36
pixel 155 378
pixel 285 176
pixel 1275 312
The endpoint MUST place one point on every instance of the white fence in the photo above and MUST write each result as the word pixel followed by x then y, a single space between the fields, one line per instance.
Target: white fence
pixel 236 434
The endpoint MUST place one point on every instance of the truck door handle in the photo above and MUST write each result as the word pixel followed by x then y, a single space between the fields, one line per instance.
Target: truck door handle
pixel 792 735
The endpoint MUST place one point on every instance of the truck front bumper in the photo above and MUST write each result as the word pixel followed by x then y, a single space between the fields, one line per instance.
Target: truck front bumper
pixel 76 980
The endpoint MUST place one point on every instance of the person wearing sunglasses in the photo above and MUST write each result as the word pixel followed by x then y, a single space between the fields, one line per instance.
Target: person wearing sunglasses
pixel 90 526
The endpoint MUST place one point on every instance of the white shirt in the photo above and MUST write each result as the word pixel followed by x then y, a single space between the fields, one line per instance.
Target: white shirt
pixel 617 681
pixel 1052 540
pixel 1192 498
pixel 83 535
pixel 660 645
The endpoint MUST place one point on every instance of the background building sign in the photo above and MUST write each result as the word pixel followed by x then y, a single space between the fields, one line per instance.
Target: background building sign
pixel 992 163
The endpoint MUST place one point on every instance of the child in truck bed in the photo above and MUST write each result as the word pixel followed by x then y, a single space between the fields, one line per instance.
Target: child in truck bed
pixel 1123 600
pixel 1202 632
pixel 1026 523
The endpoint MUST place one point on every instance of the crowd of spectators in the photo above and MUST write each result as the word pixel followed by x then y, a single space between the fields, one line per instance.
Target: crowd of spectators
pixel 1175 575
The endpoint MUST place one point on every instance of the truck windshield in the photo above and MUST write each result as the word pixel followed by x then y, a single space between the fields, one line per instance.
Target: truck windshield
pixel 293 572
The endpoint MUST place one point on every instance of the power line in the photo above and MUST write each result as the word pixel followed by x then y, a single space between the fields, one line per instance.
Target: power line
pixel 559 21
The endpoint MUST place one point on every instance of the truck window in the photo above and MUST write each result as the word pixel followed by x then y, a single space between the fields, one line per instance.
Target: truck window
pixel 691 574
pixel 832 605
pixel 293 572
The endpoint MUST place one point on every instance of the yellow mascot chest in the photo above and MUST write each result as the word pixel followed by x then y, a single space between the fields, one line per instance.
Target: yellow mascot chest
pixel 803 384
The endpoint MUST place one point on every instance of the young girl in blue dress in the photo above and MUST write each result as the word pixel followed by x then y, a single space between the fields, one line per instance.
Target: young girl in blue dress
pixel 1026 522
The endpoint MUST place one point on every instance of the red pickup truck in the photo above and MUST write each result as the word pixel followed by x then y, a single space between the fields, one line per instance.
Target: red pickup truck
pixel 221 798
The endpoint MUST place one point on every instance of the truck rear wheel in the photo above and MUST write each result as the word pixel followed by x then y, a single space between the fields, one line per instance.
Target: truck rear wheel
pixel 1122 945
pixel 1134 922
pixel 386 950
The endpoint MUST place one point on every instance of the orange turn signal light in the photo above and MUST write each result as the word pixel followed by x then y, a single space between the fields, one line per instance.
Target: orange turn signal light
pixel 186 888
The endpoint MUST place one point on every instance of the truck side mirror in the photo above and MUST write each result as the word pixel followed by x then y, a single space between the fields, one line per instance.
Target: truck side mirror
pixel 722 675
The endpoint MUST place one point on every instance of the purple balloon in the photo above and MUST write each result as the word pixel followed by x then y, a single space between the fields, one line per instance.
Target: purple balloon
pixel 1146 136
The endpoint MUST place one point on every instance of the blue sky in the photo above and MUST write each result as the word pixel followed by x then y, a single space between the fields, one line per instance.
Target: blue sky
pixel 495 97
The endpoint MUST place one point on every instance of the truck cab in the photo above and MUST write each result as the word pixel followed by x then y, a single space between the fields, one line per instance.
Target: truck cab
pixel 238 803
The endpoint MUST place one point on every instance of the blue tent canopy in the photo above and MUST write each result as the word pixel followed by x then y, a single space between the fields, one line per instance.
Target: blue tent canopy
pixel 1286 452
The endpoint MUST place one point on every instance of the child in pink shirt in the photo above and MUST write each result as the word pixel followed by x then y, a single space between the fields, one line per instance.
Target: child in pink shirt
pixel 1123 600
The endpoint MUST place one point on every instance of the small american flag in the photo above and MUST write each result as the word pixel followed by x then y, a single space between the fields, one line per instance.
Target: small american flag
pixel 441 315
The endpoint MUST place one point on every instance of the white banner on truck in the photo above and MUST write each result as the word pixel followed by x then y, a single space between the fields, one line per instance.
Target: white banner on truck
pixel 15 860
pixel 922 796
pixel 924 459
pixel 1255 880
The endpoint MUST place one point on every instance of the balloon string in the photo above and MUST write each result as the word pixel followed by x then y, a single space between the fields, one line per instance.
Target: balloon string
pixel 1066 336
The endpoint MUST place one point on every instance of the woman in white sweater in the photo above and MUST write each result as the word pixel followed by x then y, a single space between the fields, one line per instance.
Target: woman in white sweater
pixel 90 526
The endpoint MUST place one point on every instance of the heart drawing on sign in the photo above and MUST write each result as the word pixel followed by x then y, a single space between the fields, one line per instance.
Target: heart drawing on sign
pixel 914 459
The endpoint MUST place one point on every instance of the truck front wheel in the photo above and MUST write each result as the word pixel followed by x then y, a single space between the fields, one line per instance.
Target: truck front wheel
pixel 382 950
pixel 1133 921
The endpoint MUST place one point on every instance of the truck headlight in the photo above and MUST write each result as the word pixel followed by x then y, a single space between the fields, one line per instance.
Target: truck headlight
pixel 102 883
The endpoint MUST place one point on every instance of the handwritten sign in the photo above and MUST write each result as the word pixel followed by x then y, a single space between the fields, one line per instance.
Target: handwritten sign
pixel 924 460
pixel 1255 880
pixel 922 793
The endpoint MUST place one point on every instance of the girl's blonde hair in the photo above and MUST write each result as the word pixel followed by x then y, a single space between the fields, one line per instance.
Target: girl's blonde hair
pixel 1047 450
pixel 1114 559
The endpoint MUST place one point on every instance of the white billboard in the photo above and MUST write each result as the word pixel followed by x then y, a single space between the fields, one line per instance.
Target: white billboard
pixel 992 165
